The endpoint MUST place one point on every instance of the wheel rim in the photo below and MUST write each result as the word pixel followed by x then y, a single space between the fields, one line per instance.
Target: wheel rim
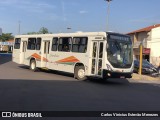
pixel 33 65
pixel 81 73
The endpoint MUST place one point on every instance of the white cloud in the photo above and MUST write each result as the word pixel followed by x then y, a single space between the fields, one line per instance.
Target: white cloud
pixel 8 2
pixel 45 5
pixel 27 5
pixel 83 12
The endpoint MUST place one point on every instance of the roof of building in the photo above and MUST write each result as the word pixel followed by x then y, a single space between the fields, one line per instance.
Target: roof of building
pixel 11 41
pixel 146 29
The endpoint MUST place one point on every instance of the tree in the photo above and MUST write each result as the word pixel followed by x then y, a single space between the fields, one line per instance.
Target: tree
pixel 43 30
pixel 31 33
pixel 6 36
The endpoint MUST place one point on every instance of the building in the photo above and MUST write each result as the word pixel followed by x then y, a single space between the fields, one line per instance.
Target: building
pixel 7 46
pixel 150 38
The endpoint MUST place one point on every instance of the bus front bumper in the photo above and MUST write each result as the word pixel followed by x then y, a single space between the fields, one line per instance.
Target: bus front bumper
pixel 111 74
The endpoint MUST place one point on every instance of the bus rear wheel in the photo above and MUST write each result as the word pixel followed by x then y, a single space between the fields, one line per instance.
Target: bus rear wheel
pixel 80 73
pixel 33 65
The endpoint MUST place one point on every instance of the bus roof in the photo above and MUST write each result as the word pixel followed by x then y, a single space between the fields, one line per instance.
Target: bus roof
pixel 65 34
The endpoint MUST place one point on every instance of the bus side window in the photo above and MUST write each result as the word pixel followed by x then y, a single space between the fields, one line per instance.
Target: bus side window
pixel 17 43
pixel 80 44
pixel 54 44
pixel 64 44
pixel 82 49
pixel 38 43
pixel 101 50
pixel 31 44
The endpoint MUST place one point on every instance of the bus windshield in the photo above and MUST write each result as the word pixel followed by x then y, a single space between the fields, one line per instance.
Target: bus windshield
pixel 119 51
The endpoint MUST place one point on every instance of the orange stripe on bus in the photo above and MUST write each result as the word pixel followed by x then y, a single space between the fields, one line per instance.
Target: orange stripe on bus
pixel 35 55
pixel 69 59
pixel 38 57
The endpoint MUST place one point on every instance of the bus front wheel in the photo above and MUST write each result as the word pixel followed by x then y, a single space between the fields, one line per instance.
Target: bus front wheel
pixel 33 65
pixel 80 73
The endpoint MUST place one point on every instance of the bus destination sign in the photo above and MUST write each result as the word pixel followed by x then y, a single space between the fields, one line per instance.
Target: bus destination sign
pixel 122 38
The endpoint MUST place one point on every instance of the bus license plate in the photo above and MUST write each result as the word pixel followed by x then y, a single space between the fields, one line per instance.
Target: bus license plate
pixel 122 77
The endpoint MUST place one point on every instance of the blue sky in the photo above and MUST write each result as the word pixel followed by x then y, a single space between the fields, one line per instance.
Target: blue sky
pixel 80 15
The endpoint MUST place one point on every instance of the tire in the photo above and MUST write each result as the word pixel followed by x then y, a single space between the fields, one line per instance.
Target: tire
pixel 80 73
pixel 33 66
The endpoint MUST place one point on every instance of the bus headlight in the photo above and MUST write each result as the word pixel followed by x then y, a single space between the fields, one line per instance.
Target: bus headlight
pixel 109 67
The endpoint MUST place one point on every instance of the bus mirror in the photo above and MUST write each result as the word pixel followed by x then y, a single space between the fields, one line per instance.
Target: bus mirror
pixel 107 46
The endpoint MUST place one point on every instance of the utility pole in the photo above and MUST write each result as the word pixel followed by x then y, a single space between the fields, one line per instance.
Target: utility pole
pixel 19 27
pixel 108 10
pixel 140 58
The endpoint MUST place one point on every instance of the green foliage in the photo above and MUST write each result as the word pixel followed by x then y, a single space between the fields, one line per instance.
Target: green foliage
pixel 6 36
pixel 31 33
pixel 43 30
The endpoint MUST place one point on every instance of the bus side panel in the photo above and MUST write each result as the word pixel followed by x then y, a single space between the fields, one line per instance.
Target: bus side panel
pixel 58 61
pixel 65 61
pixel 16 56
pixel 86 58
pixel 32 54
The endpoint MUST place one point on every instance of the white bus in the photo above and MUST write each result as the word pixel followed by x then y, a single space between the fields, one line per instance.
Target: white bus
pixel 85 54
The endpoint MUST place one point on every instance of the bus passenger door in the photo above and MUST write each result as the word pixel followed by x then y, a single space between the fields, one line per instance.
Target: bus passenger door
pixel 97 58
pixel 45 56
pixel 24 48
pixel 17 51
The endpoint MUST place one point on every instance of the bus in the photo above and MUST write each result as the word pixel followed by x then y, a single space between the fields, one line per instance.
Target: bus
pixel 84 54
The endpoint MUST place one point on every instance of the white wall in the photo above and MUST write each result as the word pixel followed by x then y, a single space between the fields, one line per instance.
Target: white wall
pixel 142 36
pixel 154 44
